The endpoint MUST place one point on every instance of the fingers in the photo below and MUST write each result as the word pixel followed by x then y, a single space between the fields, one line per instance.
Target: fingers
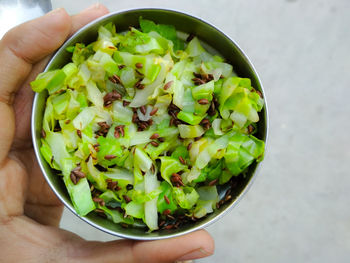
pixel 87 15
pixel 192 246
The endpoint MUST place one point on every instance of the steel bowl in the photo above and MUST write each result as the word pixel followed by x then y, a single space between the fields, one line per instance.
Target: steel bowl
pixel 213 39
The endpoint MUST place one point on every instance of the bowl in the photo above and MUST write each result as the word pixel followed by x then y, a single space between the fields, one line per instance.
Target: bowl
pixel 215 40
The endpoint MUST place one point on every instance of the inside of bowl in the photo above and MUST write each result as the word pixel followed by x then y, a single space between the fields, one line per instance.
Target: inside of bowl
pixel 187 25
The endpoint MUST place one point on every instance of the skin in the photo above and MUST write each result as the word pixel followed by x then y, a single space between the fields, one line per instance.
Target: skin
pixel 29 211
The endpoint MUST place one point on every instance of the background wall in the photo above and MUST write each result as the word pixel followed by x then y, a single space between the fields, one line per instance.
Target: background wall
pixel 298 207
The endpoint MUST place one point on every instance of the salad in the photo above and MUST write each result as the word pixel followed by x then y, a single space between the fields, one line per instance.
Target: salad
pixel 143 126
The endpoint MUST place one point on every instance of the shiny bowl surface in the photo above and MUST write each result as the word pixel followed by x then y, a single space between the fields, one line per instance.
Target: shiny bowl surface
pixel 216 41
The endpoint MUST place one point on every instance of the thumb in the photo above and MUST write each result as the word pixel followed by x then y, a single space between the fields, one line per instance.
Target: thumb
pixel 28 43
pixel 191 246
pixel 20 48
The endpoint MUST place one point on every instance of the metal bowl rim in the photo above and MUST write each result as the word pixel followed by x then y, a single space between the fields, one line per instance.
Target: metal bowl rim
pixel 200 225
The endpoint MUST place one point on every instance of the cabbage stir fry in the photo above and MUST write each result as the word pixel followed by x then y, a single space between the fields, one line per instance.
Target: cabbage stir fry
pixel 143 126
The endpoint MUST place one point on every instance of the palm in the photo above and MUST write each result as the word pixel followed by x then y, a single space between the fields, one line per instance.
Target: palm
pixel 39 199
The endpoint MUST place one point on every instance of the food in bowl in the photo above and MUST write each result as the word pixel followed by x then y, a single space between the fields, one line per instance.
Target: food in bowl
pixel 143 126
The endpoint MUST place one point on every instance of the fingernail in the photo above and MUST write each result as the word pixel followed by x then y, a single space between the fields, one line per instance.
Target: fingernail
pixel 92 7
pixel 198 253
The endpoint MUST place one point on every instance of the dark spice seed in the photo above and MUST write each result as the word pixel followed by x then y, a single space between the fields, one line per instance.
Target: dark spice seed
pixel 138 83
pixel 190 37
pixel 176 179
pixel 43 133
pixel 171 123
pixel 138 72
pixel 182 160
pixel 135 118
pixel 166 199
pixel 169 227
pixel 161 223
pixel 166 212
pixel 154 136
pixel 154 143
pixel 260 94
pixel 228 197
pixel 78 168
pixel 138 65
pixel 168 85
pixel 189 146
pixel 198 81
pixel 143 125
pixel 212 110
pixel 121 66
pixel 127 198
pixel 173 107
pixel 117 79
pixel 67 122
pixel 129 187
pixel 121 128
pixel 143 109
pixel 211 183
pixel 197 75
pixel 73 178
pixel 205 121
pixel 124 225
pixel 109 157
pixel 112 185
pixel 126 103
pixel 112 80
pixel 150 122
pixel 203 101
pixel 153 169
pixel 153 111
pixel 250 128
pixel 161 139
pixel 79 133
pixel 98 200
pixel 79 174
pixel 141 86
pixel 198 138
pixel 116 134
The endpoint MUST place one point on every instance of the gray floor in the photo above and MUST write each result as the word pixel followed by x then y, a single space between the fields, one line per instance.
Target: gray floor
pixel 298 208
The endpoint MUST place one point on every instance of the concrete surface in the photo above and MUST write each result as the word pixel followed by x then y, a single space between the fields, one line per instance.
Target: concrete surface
pixel 298 208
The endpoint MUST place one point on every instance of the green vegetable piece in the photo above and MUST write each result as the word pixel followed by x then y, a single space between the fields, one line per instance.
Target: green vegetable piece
pixel 167 31
pixel 186 197
pixel 241 151
pixel 169 166
pixel 190 131
pixel 164 197
pixel 52 81
pixel 190 118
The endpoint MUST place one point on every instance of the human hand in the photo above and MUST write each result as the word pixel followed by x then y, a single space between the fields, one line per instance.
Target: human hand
pixel 29 210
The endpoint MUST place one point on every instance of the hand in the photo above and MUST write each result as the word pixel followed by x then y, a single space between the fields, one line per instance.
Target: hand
pixel 29 211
